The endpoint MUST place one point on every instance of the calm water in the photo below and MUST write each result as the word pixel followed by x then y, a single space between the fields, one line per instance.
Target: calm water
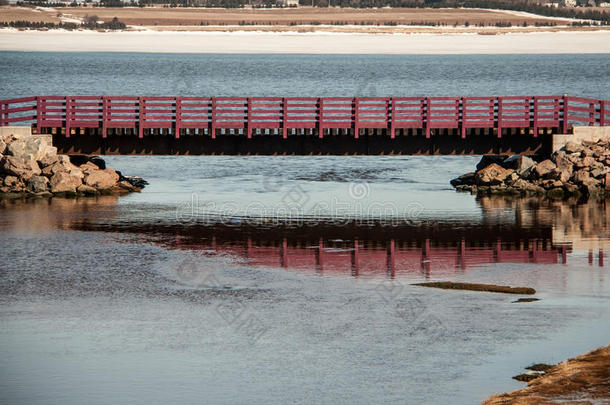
pixel 26 74
pixel 287 279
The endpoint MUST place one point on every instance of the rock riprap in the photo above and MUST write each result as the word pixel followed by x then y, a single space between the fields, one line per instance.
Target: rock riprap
pixel 29 166
pixel 577 170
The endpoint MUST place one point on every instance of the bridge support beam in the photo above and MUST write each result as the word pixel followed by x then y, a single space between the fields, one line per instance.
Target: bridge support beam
pixel 366 144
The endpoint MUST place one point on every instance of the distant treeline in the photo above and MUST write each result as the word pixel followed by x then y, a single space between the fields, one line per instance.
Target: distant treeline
pixel 516 5
pixel 115 24
pixel 393 23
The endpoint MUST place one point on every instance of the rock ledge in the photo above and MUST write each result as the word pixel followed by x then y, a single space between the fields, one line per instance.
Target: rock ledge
pixel 30 167
pixel 577 170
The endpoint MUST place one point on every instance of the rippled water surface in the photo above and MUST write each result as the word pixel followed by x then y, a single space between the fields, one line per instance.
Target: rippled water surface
pixel 288 279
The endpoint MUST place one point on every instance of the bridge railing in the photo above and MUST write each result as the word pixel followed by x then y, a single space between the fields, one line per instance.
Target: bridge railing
pixel 18 111
pixel 250 114
pixel 588 111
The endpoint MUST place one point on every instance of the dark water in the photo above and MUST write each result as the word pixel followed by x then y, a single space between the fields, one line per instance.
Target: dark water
pixel 27 74
pixel 287 279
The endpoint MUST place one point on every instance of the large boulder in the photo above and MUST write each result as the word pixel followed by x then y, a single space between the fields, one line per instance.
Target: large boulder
pixel 64 182
pixel 38 184
pixel 16 166
pixel 523 165
pixel 63 165
pixel 30 147
pixel 492 174
pixel 573 147
pixel 544 168
pixel 101 179
pixel 487 160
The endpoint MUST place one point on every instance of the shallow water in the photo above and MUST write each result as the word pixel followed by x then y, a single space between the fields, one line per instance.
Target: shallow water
pixel 287 279
pixel 129 299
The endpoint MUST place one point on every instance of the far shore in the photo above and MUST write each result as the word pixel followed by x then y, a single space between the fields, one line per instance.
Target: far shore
pixel 563 42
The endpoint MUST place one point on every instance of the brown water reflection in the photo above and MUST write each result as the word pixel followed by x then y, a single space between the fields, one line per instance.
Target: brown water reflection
pixel 511 231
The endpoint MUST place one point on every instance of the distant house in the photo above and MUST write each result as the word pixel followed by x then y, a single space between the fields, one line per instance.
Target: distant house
pixel 604 4
pixel 288 3
pixel 568 3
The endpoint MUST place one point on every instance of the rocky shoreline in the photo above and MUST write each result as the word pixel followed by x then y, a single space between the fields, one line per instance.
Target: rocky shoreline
pixel 581 380
pixel 577 170
pixel 29 167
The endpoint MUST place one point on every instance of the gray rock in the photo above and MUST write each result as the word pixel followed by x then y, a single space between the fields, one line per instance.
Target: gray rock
pixel 101 179
pixel 38 184
pixel 573 147
pixel 63 165
pixel 522 164
pixel 492 174
pixel 544 168
pixel 30 147
pixel 48 160
pixel 19 167
pixel 64 182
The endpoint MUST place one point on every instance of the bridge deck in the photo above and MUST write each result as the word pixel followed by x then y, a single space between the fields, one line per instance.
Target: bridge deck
pixel 303 125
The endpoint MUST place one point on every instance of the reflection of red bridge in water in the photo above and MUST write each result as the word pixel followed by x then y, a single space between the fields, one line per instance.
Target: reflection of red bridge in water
pixel 390 258
pixel 435 249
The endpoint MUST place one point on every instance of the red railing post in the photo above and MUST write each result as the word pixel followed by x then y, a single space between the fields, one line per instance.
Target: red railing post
pixel 426 117
pixel 355 113
pixel 565 115
pixel 2 113
pixel 497 119
pixel 248 112
pixel 68 115
pixel 462 115
pixel 591 114
pixel 388 117
pixel 38 115
pixel 602 112
pixel 320 117
pixel 178 116
pixel 141 117
pixel 392 118
pixel 104 116
pixel 284 118
pixel 213 124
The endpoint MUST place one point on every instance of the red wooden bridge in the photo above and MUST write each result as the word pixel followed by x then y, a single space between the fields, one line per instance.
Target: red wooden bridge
pixel 303 125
